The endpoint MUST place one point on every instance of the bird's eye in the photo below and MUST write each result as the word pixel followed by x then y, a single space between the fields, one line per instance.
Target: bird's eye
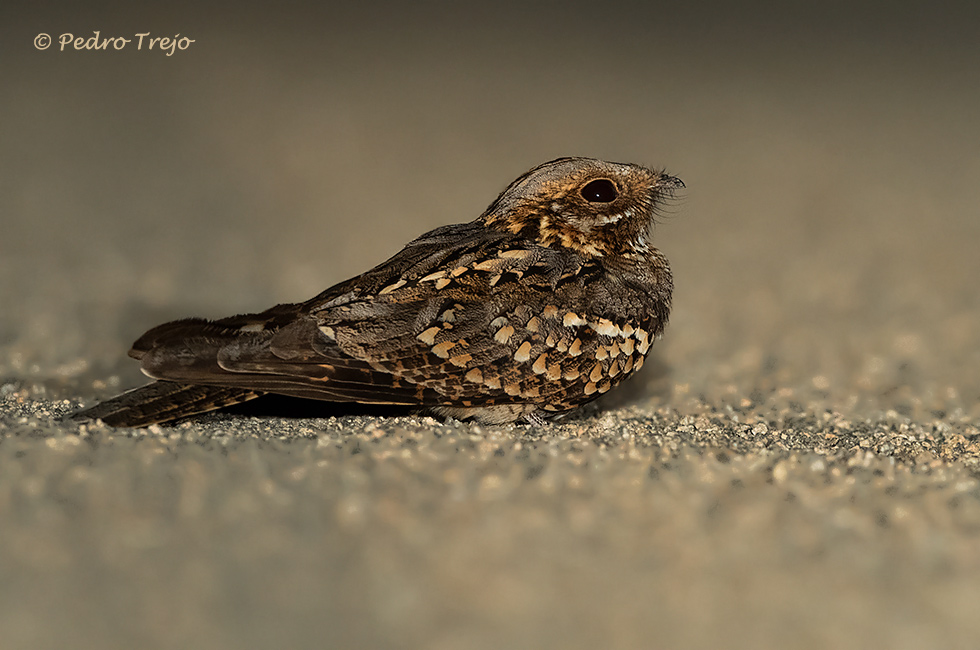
pixel 600 191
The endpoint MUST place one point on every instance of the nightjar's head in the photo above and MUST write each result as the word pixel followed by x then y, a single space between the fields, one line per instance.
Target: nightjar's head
pixel 593 207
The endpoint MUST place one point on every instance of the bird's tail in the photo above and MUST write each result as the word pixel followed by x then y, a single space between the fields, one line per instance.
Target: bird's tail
pixel 163 401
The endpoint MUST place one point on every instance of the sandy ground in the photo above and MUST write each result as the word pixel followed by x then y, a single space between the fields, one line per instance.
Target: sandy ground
pixel 797 467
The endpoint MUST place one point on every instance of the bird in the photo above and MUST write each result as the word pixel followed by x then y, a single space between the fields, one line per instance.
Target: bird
pixel 549 299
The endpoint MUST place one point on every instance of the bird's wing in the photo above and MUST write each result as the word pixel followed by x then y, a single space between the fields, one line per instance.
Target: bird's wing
pixel 471 318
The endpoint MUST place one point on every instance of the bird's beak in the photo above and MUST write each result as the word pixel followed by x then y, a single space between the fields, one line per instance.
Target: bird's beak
pixel 666 182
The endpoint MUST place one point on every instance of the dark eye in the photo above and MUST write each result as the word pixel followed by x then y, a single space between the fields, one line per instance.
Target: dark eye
pixel 600 191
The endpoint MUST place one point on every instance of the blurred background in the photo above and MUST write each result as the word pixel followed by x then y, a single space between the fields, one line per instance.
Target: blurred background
pixel 825 249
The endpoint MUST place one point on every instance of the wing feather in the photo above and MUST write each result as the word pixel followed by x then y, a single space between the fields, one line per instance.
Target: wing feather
pixel 446 321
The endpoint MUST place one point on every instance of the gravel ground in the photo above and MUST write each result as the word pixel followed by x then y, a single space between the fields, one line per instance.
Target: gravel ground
pixel 798 466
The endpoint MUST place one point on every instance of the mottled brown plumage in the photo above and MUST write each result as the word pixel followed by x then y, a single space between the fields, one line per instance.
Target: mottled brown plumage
pixel 549 299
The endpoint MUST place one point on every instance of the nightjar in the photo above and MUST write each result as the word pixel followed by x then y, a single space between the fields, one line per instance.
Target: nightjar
pixel 549 299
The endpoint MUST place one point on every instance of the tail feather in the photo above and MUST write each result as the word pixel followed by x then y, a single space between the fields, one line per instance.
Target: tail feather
pixel 163 401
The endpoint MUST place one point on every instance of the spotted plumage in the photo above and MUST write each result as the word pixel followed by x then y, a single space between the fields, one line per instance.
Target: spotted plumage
pixel 549 299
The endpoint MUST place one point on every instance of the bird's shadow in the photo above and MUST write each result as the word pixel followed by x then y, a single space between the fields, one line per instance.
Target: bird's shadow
pixel 282 406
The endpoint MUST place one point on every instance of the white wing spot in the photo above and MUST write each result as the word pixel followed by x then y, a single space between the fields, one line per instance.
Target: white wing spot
pixel 486 265
pixel 523 352
pixel 596 373
pixel 392 287
pixel 605 327
pixel 442 350
pixel 643 341
pixel 540 364
pixel 461 360
pixel 503 334
pixel 429 336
